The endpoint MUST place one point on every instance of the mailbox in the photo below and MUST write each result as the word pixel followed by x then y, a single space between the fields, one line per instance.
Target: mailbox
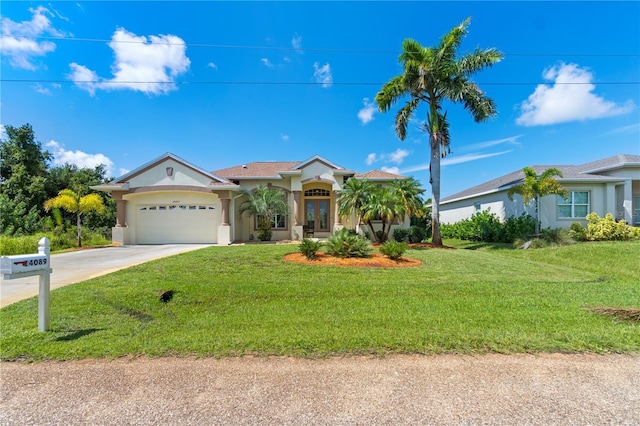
pixel 23 263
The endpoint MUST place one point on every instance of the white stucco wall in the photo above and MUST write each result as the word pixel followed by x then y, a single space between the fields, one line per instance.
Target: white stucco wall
pixel 497 202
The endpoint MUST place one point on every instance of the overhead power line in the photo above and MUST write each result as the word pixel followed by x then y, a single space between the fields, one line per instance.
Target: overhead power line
pixel 298 83
pixel 310 49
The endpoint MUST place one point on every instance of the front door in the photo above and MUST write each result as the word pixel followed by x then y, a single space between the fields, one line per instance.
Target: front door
pixel 317 214
pixel 636 211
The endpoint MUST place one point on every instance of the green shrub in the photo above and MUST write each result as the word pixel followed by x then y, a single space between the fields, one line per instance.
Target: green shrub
pixel 486 227
pixel 58 239
pixel 605 229
pixel 418 234
pixel 309 248
pixel 578 232
pixel 401 234
pixel 343 244
pixel 393 249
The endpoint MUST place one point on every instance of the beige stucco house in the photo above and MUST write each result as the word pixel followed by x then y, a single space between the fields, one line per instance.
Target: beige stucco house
pixel 610 185
pixel 169 200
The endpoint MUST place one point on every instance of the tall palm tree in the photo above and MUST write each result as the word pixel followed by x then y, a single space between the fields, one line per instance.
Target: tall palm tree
pixel 264 203
pixel 533 187
pixel 433 75
pixel 72 202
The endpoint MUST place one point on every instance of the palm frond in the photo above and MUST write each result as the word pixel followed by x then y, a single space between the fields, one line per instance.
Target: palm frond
pixel 393 90
pixel 404 117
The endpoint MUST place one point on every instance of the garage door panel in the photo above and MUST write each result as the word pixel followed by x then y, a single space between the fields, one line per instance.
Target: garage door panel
pixel 188 223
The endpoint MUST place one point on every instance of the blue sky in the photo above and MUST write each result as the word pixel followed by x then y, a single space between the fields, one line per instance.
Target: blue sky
pixel 221 84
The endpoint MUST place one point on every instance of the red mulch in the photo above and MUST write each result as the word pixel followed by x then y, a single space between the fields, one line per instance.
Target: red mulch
pixel 373 261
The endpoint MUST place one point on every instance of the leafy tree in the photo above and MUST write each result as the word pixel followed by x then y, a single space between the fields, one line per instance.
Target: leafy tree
pixel 264 203
pixel 72 202
pixel 23 170
pixel 433 75
pixel 535 186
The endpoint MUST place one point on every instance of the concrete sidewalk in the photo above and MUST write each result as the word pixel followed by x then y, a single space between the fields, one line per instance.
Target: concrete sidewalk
pixel 73 267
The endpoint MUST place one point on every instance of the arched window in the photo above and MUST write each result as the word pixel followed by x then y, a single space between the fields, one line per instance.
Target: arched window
pixel 317 192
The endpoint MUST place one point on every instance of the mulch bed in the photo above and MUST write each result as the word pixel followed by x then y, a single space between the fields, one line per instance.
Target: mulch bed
pixel 373 261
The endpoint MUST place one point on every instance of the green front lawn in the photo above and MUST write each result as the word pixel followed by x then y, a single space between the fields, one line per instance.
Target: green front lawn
pixel 240 300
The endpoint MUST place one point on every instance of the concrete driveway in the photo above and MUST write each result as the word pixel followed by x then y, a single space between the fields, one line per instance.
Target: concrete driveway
pixel 73 267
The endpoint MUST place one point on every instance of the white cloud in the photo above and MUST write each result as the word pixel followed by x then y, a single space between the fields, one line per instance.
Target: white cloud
pixel 3 132
pixel 371 158
pixel 267 62
pixel 396 157
pixel 81 159
pixel 286 59
pixel 124 171
pixel 149 65
pixel 212 65
pixel 296 43
pixel 454 160
pixel 512 140
pixel 322 74
pixel 44 90
pixel 570 98
pixel 630 129
pixel 18 42
pixel 393 170
pixel 366 113
pixel 284 137
pixel 83 77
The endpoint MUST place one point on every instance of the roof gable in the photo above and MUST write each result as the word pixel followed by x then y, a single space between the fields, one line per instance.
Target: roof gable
pixel 585 172
pixel 164 159
pixel 378 175
pixel 258 169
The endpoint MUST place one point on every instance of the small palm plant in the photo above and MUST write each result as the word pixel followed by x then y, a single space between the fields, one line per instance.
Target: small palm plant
pixel 264 203
pixel 72 202
pixel 533 187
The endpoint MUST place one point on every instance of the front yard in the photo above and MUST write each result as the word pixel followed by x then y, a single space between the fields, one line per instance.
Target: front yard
pixel 232 301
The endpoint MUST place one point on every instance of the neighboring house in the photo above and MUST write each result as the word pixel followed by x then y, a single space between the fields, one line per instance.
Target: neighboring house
pixel 169 200
pixel 610 185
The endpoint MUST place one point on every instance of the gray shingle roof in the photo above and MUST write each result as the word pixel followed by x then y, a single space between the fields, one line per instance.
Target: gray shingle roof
pixel 585 172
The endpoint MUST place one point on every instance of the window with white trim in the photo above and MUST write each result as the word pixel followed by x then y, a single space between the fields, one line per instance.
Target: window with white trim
pixel 277 222
pixel 576 205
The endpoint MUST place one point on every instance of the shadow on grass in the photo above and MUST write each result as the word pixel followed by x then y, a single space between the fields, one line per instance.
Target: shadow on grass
pixel 74 335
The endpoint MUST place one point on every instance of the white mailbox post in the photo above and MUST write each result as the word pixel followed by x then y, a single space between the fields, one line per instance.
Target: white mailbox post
pixel 26 265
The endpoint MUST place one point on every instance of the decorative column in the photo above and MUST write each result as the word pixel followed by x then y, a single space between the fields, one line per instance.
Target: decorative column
pixel 225 211
pixel 336 215
pixel 121 208
pixel 296 208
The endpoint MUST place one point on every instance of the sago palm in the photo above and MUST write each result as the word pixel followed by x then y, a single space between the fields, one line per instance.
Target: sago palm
pixel 433 75
pixel 72 202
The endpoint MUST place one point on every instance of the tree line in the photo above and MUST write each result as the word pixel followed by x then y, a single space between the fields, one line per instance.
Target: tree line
pixel 28 180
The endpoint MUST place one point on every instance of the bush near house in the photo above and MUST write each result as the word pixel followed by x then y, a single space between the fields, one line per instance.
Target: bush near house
pixel 309 248
pixel 343 243
pixel 486 227
pixel 393 249
pixel 603 229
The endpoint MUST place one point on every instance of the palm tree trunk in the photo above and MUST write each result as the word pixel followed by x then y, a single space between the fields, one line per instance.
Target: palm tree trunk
pixel 78 225
pixel 435 188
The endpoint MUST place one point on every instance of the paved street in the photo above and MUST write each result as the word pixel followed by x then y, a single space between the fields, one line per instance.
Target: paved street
pixel 493 389
pixel 73 267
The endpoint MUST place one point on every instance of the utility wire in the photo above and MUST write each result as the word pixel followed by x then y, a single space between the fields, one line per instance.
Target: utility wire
pixel 309 49
pixel 296 83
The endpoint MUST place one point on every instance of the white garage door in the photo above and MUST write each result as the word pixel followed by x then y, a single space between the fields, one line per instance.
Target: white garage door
pixel 176 223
